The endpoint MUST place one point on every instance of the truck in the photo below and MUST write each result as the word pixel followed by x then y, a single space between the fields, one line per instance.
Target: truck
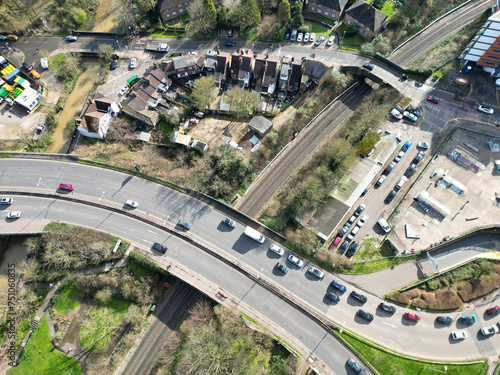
pixel 254 235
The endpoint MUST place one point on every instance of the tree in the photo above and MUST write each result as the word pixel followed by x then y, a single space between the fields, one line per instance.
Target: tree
pixel 283 12
pixel 338 80
pixel 106 52
pixel 247 15
pixel 380 45
pixel 203 14
pixel 297 19
pixel 243 102
pixel 379 4
pixel 351 30
pixel 204 91
pixel 103 296
pixel 79 16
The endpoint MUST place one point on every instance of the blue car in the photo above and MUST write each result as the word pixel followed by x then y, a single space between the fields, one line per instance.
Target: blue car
pixel 339 286
pixel 406 146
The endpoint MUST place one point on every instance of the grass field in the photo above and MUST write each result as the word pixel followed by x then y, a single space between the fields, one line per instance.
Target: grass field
pixel 318 30
pixel 39 356
pixel 388 9
pixel 351 39
pixel 66 300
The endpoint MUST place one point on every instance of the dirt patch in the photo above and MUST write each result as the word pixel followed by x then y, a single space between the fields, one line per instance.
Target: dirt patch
pixel 289 111
pixel 472 289
pixel 106 18
pixel 217 130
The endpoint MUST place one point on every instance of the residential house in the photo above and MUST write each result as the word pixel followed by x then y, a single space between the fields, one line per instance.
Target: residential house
pixel 284 77
pixel 98 116
pixel 183 66
pixel 156 78
pixel 316 69
pixel 260 125
pixel 331 9
pixel 222 62
pixel 144 90
pixel 295 76
pixel 173 8
pixel 135 107
pixel 369 19
pixel 270 77
pixel 258 71
pixel 241 67
pixel 209 64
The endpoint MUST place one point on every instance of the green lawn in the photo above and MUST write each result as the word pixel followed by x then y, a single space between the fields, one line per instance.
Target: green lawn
pixel 56 61
pixel 66 300
pixel 387 363
pixel 167 34
pixel 249 34
pixel 39 357
pixel 318 30
pixel 351 39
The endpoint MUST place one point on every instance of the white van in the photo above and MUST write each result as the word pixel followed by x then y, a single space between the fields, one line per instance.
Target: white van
pixel 384 225
pixel 254 235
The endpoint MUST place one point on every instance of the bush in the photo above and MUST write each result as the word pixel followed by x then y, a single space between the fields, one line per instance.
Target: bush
pixel 147 263
pixel 351 30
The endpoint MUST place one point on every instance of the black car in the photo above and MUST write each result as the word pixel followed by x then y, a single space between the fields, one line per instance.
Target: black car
pixel 114 64
pixel 343 231
pixel 158 247
pixel 365 315
pixel 389 168
pixel 333 296
pixel 343 247
pixel 444 319
pixel 467 319
pixel 410 170
pixel 352 249
pixel 230 43
pixel 368 66
pixel 359 297
pixel 360 209
pixel 414 111
pixel 419 157
pixel 388 308
pixel 282 268
pixel 230 33
pixel 26 66
pixel 390 197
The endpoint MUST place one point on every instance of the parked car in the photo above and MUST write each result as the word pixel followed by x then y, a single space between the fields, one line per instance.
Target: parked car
pixel 343 231
pixel 343 247
pixel 287 35
pixel 352 249
pixel 400 183
pixel 381 180
pixel 300 37
pixel 312 38
pixel 484 109
pixel 410 170
pixel 389 308
pixel 114 64
pixel 406 146
pixel 330 40
pixel 229 222
pixel 9 101
pixel 123 90
pixel 415 111
pixel 351 220
pixel 6 200
pixel 368 66
pixel 358 296
pixel 229 43
pixel 362 220
pixel 282 268
pixel 133 63
pixel 353 233
pixel 423 145
pixel 333 296
pixel 339 286
pixel 433 99
pixel 34 73
pixel 71 38
pixel 131 203
pixel 411 316
pixel 316 272
pixel 410 116
pixel 395 113
pixel 337 241
pixel 306 37
pixel 365 315
pixel 444 319
pixel 44 63
pixel 26 66
pixel 68 187
pixel 390 197
pixel 492 311
pixel 467 319
pixel 399 156
pixel 230 33
pixel 489 330
pixel 294 260
pixel 320 40
pixel 360 209
pixel 158 247
pixel 184 224
pixel 277 250
pixel 459 335
pixel 14 215
pixel 389 168
pixel 11 37
pixel 419 157
pixel 352 364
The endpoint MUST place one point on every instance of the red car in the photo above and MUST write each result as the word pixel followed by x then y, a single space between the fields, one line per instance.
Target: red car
pixel 493 310
pixel 433 99
pixel 336 242
pixel 411 316
pixel 68 187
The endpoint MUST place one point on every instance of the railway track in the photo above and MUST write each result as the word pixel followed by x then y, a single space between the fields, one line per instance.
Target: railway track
pixel 440 31
pixel 148 351
pixel 279 170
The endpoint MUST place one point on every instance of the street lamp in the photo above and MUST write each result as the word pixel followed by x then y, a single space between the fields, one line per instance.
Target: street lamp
pixel 342 327
pixel 343 35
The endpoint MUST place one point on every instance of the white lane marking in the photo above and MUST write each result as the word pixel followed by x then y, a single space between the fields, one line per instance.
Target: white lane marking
pixel 386 339
pixel 152 231
pixel 147 241
pixel 391 325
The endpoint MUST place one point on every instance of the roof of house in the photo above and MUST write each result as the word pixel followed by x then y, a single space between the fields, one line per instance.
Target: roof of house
pixel 315 68
pixel 154 75
pixel 260 124
pixel 133 104
pixel 184 61
pixel 241 62
pixel 270 69
pixel 168 67
pixel 167 4
pixel 296 75
pixel 221 62
pixel 259 68
pixel 332 4
pixel 102 102
pixel 200 60
pixel 210 61
pixel 364 13
pixel 145 91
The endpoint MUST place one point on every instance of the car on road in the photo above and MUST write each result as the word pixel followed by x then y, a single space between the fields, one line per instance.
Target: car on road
pixel 320 40
pixel 131 203
pixel 362 220
pixel 306 37
pixel 365 315
pixel 159 247
pixel 229 222
pixel 184 224
pixel 390 197
pixel 411 316
pixel 360 209
pixel 353 233
pixel 484 109
pixel 277 250
pixel 294 260
pixel 282 268
pixel 6 200
pixel 459 335
pixel 229 43
pixel 419 157
pixel 352 249
pixel 300 37
pixel 14 215
pixel 489 330
pixel 492 311
pixel 395 113
pixel 339 286
pixel 230 33
pixel 410 116
pixel 389 168
pixel 316 272
pixel 114 64
pixel 406 146
pixel 123 90
pixel 330 40
pixel 343 231
pixel 423 145
pixel 368 66
pixel 133 63
pixel 358 296
pixel 467 319
pixel 352 364
pixel 333 296
pixel 411 169
pixel 433 99
pixel 44 63
pixel 389 308
pixel 444 320
pixel 71 38
pixel 312 38
pixel 381 180
pixel 68 187
pixel 399 156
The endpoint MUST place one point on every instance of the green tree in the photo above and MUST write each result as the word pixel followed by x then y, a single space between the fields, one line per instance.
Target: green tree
pixel 79 16
pixel 379 4
pixel 243 102
pixel 204 15
pixel 380 45
pixel 204 91
pixel 283 12
pixel 70 66
pixel 247 15
pixel 297 19
pixel 106 52
pixel 351 30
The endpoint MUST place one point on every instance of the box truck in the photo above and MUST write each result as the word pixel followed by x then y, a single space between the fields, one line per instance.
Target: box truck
pixel 253 234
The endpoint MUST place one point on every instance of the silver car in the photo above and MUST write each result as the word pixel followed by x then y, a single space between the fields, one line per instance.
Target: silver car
pixel 277 250
pixel 316 272
pixel 294 260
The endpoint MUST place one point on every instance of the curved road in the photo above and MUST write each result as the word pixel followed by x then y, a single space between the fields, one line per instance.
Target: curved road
pixel 424 339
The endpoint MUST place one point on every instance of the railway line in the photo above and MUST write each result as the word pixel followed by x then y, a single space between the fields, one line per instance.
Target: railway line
pixel 148 350
pixel 281 168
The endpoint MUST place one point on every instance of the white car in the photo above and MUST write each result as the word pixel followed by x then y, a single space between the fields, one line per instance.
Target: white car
pixel 353 233
pixel 410 116
pixel 320 40
pixel 298 262
pixel 423 145
pixel 399 156
pixel 330 40
pixel 131 203
pixel 306 37
pixel 459 335
pixel 312 37
pixel 277 250
pixel 316 272
pixel 484 109
pixel 299 37
pixel 489 330
pixel 381 180
pixel 396 114
pixel 123 90
pixel 6 200
pixel 362 221
pixel 14 215
pixel 133 63
pixel 44 63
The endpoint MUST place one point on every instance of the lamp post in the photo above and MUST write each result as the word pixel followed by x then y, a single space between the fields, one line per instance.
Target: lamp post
pixel 343 35
pixel 342 327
